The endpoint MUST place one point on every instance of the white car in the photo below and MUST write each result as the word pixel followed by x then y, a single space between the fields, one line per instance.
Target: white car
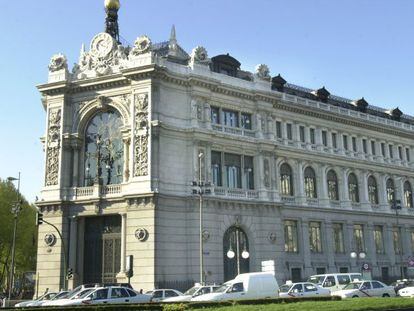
pixel 161 294
pixel 75 294
pixel 303 289
pixel 366 289
pixel 406 292
pixel 194 291
pixel 45 297
pixel 109 295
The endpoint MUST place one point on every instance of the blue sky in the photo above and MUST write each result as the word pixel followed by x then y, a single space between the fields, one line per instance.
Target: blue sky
pixel 355 48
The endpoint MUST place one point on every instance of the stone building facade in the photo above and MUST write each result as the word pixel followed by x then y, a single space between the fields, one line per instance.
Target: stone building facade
pixel 298 176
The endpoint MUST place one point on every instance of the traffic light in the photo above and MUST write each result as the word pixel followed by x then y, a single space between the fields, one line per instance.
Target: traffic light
pixel 69 275
pixel 39 218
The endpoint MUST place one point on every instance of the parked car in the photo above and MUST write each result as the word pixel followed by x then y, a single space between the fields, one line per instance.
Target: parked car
pixel 303 289
pixel 45 297
pixel 60 295
pixel 407 291
pixel 256 285
pixel 73 295
pixel 161 294
pixel 399 284
pixel 108 295
pixel 193 292
pixel 366 289
pixel 334 281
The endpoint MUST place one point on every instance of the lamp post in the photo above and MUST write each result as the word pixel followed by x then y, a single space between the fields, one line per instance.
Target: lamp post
pixel 15 211
pixel 396 206
pixel 200 188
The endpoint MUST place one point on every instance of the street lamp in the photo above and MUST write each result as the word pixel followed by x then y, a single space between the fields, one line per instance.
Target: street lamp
pixel 396 206
pixel 15 211
pixel 200 188
pixel 244 254
pixel 360 255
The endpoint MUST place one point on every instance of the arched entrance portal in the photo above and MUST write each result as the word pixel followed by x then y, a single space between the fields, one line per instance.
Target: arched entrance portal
pixel 235 253
pixel 102 252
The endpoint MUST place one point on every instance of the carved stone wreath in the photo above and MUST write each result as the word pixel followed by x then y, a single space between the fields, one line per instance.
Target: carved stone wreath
pixel 58 62
pixel 199 54
pixel 262 71
pixel 272 237
pixel 141 234
pixel 142 45
pixel 50 239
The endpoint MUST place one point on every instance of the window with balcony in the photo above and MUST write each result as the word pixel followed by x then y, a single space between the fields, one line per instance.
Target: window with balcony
pixel 383 149
pixel 407 154
pixel 364 146
pixel 396 237
pixel 289 134
pixel 238 170
pixel 248 172
pixel 291 236
pixel 334 141
pixel 286 179
pixel 338 234
pixel 391 151
pixel 310 183
pixel 345 141
pixel 302 133
pixel 246 121
pixel 373 150
pixel 325 138
pixel 216 168
pixel 315 239
pixel 390 191
pixel 312 135
pixel 215 115
pixel 359 238
pixel 408 195
pixel 354 144
pixel 372 190
pixel 400 152
pixel 332 180
pixel 353 188
pixel 278 129
pixel 232 164
pixel 104 149
pixel 378 240
pixel 231 118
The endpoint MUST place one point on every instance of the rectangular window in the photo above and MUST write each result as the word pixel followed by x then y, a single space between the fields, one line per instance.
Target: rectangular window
pixel 312 135
pixel 248 172
pixel 334 142
pixel 278 129
pixel 315 240
pixel 291 236
pixel 373 151
pixel 407 154
pixel 400 153
pixel 215 115
pixel 231 118
pixel 232 163
pixel 383 149
pixel 354 144
pixel 412 239
pixel 391 150
pixel 325 138
pixel 345 140
pixel 378 239
pixel 246 121
pixel 302 133
pixel 289 131
pixel 338 235
pixel 216 168
pixel 396 237
pixel 359 238
pixel 364 146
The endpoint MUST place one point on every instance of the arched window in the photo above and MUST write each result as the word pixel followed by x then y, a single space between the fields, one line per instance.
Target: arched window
pixel 332 180
pixel 372 190
pixel 235 252
pixel 310 183
pixel 390 191
pixel 408 195
pixel 353 188
pixel 104 155
pixel 286 179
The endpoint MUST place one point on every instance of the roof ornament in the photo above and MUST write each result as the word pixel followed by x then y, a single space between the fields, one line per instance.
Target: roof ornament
pixel 111 20
pixel 395 114
pixel 142 45
pixel 199 55
pixel 172 45
pixel 361 104
pixel 263 72
pixel 278 83
pixel 322 94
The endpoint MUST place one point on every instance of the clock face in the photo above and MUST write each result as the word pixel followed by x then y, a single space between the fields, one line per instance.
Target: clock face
pixel 102 45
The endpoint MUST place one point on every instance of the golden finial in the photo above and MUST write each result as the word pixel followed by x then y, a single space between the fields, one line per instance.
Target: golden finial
pixel 112 4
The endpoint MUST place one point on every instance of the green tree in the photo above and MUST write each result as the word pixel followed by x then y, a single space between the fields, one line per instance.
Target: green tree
pixel 26 245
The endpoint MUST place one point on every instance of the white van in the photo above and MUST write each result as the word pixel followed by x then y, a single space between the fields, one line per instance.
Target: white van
pixel 256 285
pixel 334 281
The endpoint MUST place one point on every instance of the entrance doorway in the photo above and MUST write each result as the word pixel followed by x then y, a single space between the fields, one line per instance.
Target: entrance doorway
pixel 235 252
pixel 102 251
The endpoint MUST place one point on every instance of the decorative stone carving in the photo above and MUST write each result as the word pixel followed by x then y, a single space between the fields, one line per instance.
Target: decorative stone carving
pixel 50 239
pixel 272 237
pixel 141 135
pixel 102 44
pixel 58 62
pixel 142 45
pixel 206 235
pixel 266 173
pixel 263 72
pixel 53 148
pixel 199 55
pixel 141 234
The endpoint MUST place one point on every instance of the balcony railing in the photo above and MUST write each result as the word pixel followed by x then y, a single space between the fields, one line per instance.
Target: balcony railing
pixel 235 193
pixel 82 193
pixel 233 130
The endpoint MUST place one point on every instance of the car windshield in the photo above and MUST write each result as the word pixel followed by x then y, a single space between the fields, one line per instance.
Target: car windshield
pixel 223 288
pixel 354 285
pixel 316 279
pixel 61 295
pixel 149 292
pixel 191 291
pixel 82 293
pixel 284 288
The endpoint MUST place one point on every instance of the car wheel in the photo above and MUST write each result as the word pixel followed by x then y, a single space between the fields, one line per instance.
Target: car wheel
pixel 355 296
pixel 385 295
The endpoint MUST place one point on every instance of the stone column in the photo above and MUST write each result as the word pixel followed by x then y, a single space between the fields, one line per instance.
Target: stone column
pixel 363 189
pixel 308 270
pixel 389 245
pixel 76 147
pixel 270 128
pixel 329 246
pixel 370 245
pixel 122 275
pixel 350 245
pixel 73 254
pixel 299 184
pixel 344 194
pixel 318 139
pixel 322 186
